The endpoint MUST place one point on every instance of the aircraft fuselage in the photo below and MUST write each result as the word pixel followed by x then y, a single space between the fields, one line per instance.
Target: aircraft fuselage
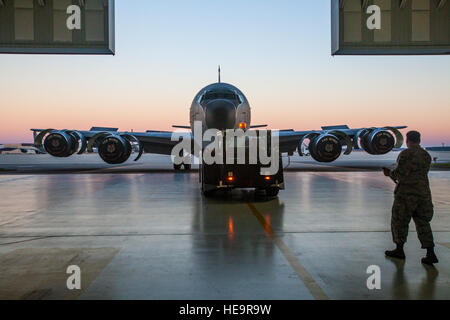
pixel 220 106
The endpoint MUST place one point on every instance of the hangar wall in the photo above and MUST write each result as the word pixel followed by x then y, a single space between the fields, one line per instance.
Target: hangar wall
pixel 38 26
pixel 407 27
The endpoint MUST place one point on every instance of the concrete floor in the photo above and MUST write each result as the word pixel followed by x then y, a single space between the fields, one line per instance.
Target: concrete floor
pixel 153 236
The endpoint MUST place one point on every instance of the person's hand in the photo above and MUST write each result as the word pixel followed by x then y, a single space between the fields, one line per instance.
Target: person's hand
pixel 387 172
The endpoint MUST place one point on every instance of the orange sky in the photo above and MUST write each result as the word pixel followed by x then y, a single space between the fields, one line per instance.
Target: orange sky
pixel 156 104
pixel 279 56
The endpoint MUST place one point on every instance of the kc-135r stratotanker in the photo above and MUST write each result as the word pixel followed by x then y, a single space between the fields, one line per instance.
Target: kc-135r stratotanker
pixel 221 106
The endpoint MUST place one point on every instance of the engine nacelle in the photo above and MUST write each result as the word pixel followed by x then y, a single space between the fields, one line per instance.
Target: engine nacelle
pixel 377 141
pixel 114 149
pixel 62 144
pixel 325 148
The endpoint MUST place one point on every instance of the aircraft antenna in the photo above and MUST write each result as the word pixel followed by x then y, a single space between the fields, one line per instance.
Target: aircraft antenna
pixel 219 74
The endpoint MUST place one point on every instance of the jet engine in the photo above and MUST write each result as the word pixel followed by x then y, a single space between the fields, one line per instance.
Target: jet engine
pixel 326 147
pixel 61 144
pixel 115 148
pixel 378 141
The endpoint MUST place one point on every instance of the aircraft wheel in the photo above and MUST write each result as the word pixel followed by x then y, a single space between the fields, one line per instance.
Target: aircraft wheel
pixel 187 167
pixel 177 167
pixel 272 192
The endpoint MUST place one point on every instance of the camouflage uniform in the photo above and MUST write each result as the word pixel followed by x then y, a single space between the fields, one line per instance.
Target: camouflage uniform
pixel 413 196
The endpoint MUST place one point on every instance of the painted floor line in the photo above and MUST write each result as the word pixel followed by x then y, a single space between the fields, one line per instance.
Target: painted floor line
pixel 445 245
pixel 315 290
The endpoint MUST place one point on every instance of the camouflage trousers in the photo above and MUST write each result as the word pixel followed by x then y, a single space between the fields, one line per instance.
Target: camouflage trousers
pixel 420 210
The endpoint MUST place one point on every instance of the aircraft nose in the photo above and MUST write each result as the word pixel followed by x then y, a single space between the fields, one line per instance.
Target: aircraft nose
pixel 220 114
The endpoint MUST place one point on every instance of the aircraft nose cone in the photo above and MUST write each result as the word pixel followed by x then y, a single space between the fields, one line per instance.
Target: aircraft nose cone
pixel 220 114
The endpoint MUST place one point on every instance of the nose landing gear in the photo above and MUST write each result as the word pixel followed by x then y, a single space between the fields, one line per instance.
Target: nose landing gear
pixel 179 167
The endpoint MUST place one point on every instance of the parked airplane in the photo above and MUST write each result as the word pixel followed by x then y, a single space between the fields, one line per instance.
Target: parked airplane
pixel 220 106
pixel 18 148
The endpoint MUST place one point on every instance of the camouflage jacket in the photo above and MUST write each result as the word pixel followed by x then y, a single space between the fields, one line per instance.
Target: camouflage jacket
pixel 413 165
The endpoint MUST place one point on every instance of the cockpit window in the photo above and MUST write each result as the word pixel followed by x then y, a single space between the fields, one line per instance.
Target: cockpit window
pixel 230 95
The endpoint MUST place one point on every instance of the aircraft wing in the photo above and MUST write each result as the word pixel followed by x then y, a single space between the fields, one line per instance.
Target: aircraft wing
pixel 160 142
pixel 114 147
pixel 327 144
pixel 64 143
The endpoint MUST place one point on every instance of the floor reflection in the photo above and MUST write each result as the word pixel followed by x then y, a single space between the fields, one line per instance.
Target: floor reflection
pixel 228 235
pixel 401 288
pixel 428 284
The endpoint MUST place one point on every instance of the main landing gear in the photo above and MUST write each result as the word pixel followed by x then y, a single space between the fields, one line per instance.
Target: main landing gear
pixel 179 167
pixel 272 192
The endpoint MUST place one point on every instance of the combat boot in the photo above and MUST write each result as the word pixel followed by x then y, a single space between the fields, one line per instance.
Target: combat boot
pixel 398 253
pixel 431 258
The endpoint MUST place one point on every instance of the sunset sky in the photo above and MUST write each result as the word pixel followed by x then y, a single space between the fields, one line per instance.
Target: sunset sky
pixel 276 52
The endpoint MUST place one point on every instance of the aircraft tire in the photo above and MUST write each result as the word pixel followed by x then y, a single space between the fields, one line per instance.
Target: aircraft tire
pixel 272 192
